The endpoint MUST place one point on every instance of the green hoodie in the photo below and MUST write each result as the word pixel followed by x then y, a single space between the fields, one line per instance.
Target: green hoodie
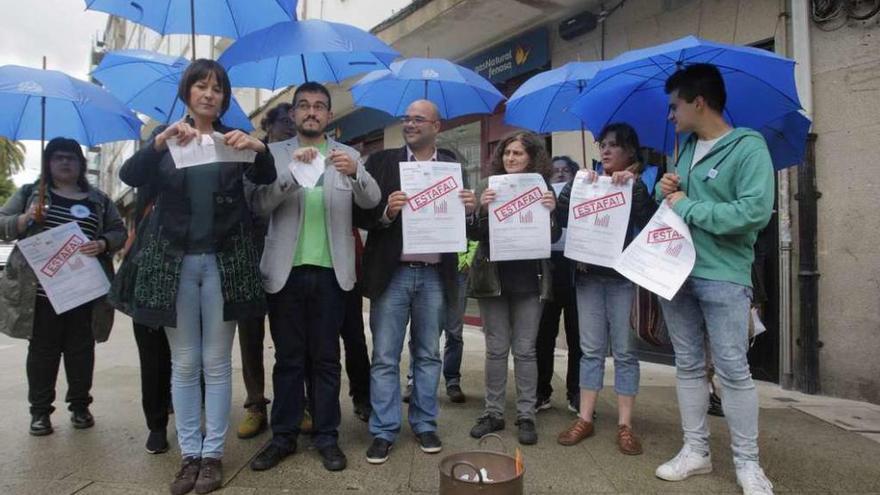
pixel 726 209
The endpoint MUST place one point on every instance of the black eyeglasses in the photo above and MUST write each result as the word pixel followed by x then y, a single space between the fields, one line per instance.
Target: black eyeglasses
pixel 318 106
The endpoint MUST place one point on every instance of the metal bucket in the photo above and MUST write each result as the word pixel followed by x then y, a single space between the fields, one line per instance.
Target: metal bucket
pixel 500 467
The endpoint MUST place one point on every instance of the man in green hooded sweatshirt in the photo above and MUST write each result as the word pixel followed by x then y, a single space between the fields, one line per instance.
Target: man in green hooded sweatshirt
pixel 722 187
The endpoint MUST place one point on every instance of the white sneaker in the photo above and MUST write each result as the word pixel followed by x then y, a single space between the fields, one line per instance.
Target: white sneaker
pixel 684 465
pixel 752 479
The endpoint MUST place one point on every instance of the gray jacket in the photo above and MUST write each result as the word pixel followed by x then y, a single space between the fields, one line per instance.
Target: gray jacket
pixel 283 202
pixel 18 283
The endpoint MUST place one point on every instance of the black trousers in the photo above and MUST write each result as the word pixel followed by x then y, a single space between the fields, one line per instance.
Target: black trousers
pixel 251 334
pixel 70 335
pixel 155 357
pixel 305 318
pixel 564 304
pixel 357 361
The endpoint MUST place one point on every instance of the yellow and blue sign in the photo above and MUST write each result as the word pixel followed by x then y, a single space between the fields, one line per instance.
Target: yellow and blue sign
pixel 513 57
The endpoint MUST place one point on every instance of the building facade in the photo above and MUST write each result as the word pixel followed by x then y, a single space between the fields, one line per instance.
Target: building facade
pixel 827 345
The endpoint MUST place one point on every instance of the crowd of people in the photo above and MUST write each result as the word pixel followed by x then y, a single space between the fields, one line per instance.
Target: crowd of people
pixel 222 245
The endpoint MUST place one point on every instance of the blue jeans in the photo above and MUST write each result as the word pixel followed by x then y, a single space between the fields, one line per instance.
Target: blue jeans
pixel 604 305
pixel 721 311
pixel 415 293
pixel 453 327
pixel 201 343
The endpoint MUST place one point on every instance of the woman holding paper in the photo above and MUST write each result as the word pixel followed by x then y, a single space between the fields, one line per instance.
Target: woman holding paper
pixel 604 301
pixel 25 309
pixel 197 272
pixel 511 295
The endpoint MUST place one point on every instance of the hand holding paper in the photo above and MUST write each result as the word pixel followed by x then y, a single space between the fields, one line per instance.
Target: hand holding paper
pixel 207 148
pixel 307 173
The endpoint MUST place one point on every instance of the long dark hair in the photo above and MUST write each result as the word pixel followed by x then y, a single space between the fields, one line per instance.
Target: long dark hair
pixel 69 146
pixel 202 69
pixel 539 159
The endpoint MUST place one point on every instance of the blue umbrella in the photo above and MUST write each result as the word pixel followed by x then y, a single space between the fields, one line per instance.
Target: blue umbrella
pixel 40 104
pixel 787 139
pixel 630 88
pixel 36 104
pixel 455 90
pixel 541 103
pixel 290 53
pixel 227 18
pixel 147 82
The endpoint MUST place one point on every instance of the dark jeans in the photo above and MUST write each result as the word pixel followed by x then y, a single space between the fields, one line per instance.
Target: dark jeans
pixel 357 361
pixel 305 318
pixel 155 357
pixel 563 304
pixel 68 334
pixel 251 333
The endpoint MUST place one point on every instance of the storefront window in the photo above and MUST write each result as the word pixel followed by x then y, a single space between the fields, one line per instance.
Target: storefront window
pixel 464 141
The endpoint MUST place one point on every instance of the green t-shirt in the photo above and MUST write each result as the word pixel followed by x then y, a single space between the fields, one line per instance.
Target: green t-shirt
pixel 313 247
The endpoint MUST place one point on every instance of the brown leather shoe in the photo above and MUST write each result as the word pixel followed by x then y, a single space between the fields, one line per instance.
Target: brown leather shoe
pixel 578 431
pixel 210 475
pixel 627 441
pixel 185 479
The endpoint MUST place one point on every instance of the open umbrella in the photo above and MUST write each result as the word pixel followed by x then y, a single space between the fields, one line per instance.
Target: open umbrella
pixel 787 139
pixel 630 88
pixel 147 82
pixel 541 103
pixel 227 18
pixel 290 53
pixel 455 90
pixel 40 104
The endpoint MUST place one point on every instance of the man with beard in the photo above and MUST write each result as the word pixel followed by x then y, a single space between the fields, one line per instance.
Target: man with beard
pixel 307 267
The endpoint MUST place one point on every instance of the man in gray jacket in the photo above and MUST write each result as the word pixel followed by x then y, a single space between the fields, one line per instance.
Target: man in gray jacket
pixel 307 265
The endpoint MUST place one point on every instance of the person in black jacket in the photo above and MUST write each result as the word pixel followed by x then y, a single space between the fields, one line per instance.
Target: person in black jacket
pixel 512 312
pixel 604 299
pixel 197 272
pixel 402 286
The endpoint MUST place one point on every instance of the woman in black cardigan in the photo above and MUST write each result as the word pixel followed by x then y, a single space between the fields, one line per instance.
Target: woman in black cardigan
pixel 511 296
pixel 197 269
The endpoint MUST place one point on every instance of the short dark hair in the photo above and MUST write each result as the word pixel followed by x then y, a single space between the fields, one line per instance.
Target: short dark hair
pixel 68 146
pixel 699 80
pixel 272 115
pixel 199 70
pixel 313 87
pixel 539 159
pixel 571 164
pixel 625 136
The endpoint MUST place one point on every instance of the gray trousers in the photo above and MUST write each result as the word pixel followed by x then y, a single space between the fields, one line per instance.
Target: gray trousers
pixel 511 323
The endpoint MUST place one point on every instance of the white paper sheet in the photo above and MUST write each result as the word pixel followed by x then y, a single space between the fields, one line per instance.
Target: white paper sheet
pixel 598 217
pixel 68 277
pixel 519 225
pixel 434 216
pixel 560 244
pixel 308 174
pixel 209 148
pixel 662 256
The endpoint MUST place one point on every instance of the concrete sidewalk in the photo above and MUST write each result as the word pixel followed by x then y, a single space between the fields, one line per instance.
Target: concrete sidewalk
pixel 808 444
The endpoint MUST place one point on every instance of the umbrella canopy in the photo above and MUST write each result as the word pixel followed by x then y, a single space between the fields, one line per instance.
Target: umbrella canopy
pixel 455 90
pixel 227 18
pixel 74 109
pixel 147 82
pixel 289 53
pixel 541 103
pixel 787 139
pixel 630 88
